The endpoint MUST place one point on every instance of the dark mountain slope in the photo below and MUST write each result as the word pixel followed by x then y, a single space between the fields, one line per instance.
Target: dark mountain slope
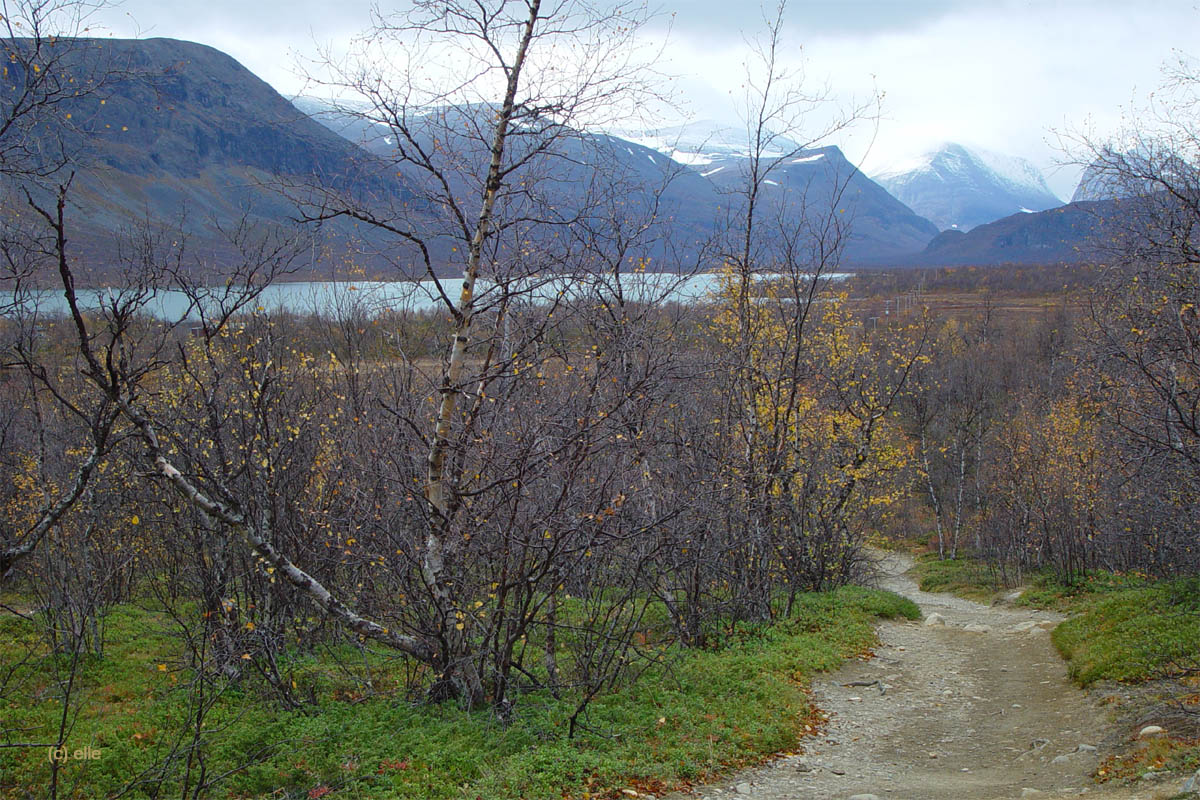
pixel 822 181
pixel 184 136
pixel 1070 234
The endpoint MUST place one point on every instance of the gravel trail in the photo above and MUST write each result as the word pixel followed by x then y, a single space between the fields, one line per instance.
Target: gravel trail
pixel 976 708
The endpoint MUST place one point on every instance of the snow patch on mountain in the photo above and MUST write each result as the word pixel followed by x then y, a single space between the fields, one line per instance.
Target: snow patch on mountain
pixel 700 143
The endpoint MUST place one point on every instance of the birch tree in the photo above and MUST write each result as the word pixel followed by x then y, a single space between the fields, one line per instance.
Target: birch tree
pixel 479 108
pixel 778 249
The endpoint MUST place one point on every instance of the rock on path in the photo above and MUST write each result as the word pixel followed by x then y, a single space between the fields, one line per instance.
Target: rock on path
pixel 977 707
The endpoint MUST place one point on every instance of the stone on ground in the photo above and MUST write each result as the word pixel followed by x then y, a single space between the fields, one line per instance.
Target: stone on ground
pixel 1151 732
pixel 1193 783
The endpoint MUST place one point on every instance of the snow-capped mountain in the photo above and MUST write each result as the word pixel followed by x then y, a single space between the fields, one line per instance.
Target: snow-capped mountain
pixel 699 144
pixel 806 181
pixel 821 181
pixel 958 188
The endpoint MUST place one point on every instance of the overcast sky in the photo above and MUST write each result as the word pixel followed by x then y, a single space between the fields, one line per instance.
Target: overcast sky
pixel 1002 74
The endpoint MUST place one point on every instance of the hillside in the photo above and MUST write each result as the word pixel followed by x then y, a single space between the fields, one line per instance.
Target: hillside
pixel 186 137
pixel 1059 235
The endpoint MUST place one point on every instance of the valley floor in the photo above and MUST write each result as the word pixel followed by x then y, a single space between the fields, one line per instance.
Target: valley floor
pixel 977 708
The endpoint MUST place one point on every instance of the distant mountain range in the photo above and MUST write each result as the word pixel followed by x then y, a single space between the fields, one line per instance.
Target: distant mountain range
pixel 958 188
pixel 815 181
pixel 1089 228
pixel 708 166
pixel 191 139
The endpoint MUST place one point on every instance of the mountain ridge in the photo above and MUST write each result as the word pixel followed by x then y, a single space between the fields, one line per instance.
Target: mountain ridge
pixel 195 136
pixel 1069 234
pixel 808 178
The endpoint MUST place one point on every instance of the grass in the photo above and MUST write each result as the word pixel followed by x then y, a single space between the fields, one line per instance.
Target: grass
pixel 1155 755
pixel 963 577
pixel 1131 629
pixel 1133 634
pixel 704 713
pixel 1047 591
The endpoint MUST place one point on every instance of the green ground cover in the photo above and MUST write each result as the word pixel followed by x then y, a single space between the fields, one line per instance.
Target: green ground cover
pixel 697 714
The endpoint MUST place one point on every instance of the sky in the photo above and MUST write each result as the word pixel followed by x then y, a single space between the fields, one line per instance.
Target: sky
pixel 1014 76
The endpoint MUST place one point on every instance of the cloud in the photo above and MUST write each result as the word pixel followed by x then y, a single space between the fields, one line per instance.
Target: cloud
pixel 1003 74
pixel 719 18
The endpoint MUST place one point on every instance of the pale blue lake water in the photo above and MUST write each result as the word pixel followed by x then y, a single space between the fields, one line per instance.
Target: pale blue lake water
pixel 327 298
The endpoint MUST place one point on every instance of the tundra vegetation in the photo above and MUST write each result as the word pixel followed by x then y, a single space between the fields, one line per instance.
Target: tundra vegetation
pixel 548 539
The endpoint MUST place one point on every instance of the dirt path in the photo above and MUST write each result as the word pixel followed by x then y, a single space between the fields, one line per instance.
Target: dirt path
pixel 978 708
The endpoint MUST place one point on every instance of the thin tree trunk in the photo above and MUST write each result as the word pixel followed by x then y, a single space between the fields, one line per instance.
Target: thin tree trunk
pixel 933 497
pixel 437 488
pixel 958 500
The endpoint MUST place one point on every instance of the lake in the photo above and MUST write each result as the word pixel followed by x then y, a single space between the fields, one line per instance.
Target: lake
pixel 326 298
